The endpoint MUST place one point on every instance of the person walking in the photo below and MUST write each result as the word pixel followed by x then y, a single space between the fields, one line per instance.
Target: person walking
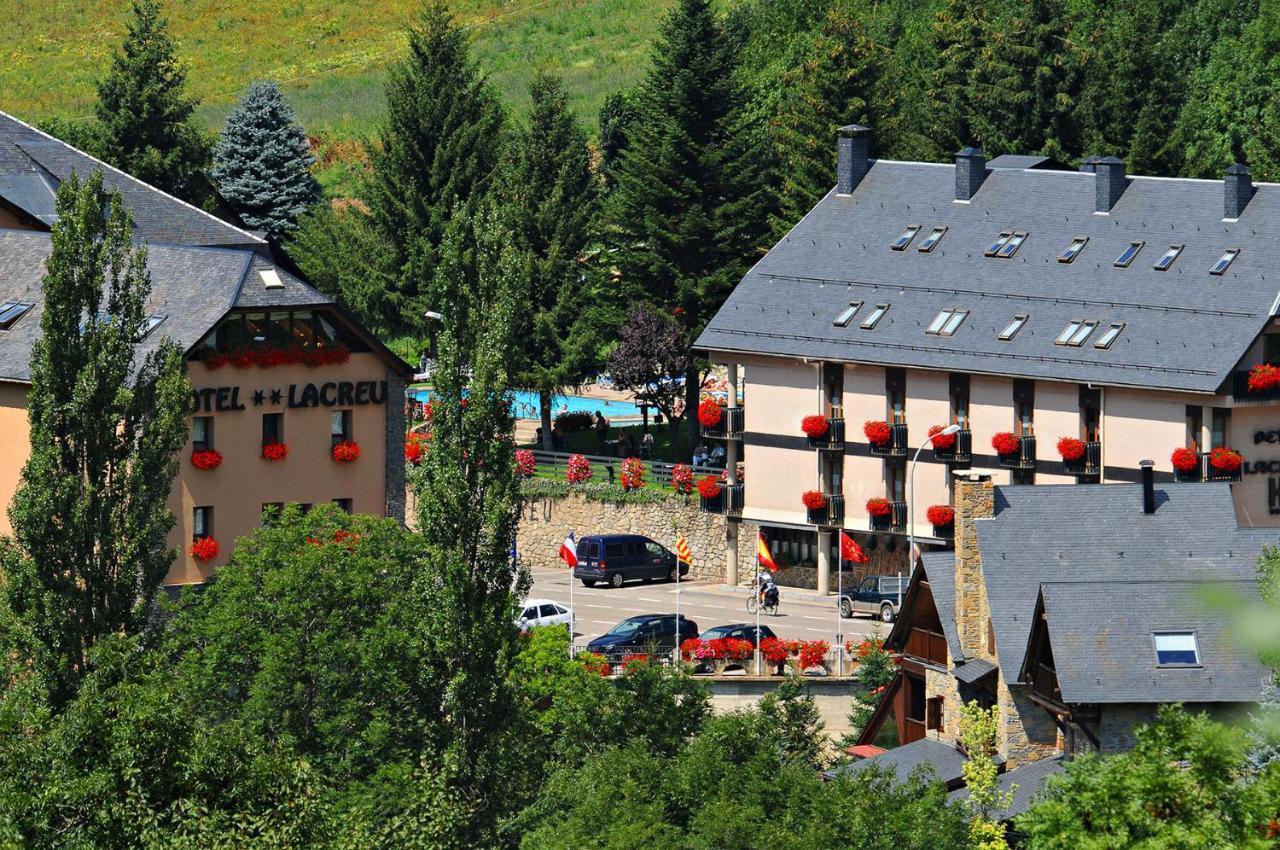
pixel 602 429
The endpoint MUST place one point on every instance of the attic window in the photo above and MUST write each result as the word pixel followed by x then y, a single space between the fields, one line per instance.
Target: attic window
pixel 1011 247
pixel 1162 264
pixel 931 241
pixel 1075 333
pixel 901 243
pixel 1176 649
pixel 1011 329
pixel 1074 249
pixel 946 322
pixel 152 323
pixel 847 314
pixel 998 244
pixel 874 317
pixel 1109 335
pixel 11 312
pixel 270 279
pixel 1224 261
pixel 1127 255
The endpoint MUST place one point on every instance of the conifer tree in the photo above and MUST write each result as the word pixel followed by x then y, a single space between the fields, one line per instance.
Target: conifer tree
pixel 144 115
pixel 617 113
pixel 261 162
pixel 89 515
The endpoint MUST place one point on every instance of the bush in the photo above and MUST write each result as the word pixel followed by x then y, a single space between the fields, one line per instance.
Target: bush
pixel 570 422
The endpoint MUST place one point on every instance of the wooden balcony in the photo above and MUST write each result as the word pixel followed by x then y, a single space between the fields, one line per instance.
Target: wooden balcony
pixel 927 646
pixel 895 520
pixel 1090 464
pixel 961 452
pixel 1024 457
pixel 729 427
pixel 1044 684
pixel 830 514
pixel 897 444
pixel 833 440
pixel 728 503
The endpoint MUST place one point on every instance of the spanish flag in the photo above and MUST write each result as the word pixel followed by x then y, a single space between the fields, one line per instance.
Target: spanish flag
pixel 763 555
pixel 683 555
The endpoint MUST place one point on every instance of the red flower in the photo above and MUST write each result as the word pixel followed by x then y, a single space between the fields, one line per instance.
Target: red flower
pixel 1185 460
pixel 812 653
pixel 1264 376
pixel 814 427
pixel 688 647
pixel 940 515
pixel 632 663
pixel 216 361
pixel 708 487
pixel 526 463
pixel 773 650
pixel 275 451
pixel 413 449
pixel 1070 448
pixel 350 538
pixel 208 459
pixel 682 478
pixel 347 451
pixel 578 470
pixel 1224 459
pixel 596 663
pixel 632 475
pixel 878 433
pixel 204 549
pixel 942 442
pixel 813 500
pixel 242 359
pixel 426 410
pixel 878 507
pixel 709 413
pixel 1005 443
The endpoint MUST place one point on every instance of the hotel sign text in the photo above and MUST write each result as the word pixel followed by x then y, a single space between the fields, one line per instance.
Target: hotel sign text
pixel 326 394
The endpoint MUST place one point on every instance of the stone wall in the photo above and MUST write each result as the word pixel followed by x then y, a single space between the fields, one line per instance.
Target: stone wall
pixel 974 499
pixel 545 522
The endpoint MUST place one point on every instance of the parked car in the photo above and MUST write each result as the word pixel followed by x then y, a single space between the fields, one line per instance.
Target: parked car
pixel 544 612
pixel 618 558
pixel 878 596
pixel 644 632
pixel 740 631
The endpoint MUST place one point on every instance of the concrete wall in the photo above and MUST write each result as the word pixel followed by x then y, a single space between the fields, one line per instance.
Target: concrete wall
pixel 832 696
pixel 15 445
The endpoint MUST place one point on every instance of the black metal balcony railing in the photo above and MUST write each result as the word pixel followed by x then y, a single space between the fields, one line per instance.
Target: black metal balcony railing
pixel 1090 463
pixel 1205 471
pixel 897 444
pixel 1024 457
pixel 832 513
pixel 729 427
pixel 961 452
pixel 728 503
pixel 833 440
pixel 895 520
pixel 1240 389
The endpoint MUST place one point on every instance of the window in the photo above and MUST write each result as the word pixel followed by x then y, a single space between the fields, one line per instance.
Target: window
pixel 1162 264
pixel 1271 348
pixel 933 714
pixel 1074 249
pixel 1176 649
pixel 11 312
pixel 612 550
pixel 202 433
pixel 901 243
pixel 959 392
pixel 1224 261
pixel 1219 426
pixel 1024 407
pixel 339 426
pixel 1075 333
pixel 272 428
pixel 153 322
pixel 998 244
pixel 931 241
pixel 847 314
pixel 1195 426
pixel 895 392
pixel 1015 325
pixel 946 322
pixel 344 505
pixel 1109 335
pixel 1127 255
pixel 1011 247
pixel 874 317
pixel 201 522
pixel 270 279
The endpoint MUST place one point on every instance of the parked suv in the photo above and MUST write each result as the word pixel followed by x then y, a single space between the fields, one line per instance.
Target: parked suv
pixel 617 558
pixel 639 634
pixel 879 596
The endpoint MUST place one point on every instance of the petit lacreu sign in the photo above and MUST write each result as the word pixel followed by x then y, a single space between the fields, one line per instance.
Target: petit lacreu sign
pixel 327 394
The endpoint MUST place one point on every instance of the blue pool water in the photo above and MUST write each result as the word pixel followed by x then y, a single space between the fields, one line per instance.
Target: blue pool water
pixel 527 406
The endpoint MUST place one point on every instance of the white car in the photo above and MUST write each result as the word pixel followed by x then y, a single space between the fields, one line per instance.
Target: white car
pixel 544 612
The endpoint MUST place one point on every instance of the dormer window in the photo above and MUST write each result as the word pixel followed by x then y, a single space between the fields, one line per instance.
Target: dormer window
pixel 1074 249
pixel 847 314
pixel 947 322
pixel 873 318
pixel 1166 260
pixel 1225 261
pixel 1176 649
pixel 931 241
pixel 11 312
pixel 901 243
pixel 1075 333
pixel 1127 255
pixel 1000 242
pixel 1015 325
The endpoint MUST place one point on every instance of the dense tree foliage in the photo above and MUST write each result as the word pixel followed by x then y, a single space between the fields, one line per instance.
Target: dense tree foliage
pixel 651 354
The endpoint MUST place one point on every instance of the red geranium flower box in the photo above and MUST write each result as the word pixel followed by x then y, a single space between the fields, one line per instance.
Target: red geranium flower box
pixel 709 487
pixel 1185 460
pixel 1005 443
pixel 942 442
pixel 347 451
pixel 1264 376
pixel 941 515
pixel 207 459
pixel 773 650
pixel 878 507
pixel 813 500
pixel 275 451
pixel 878 433
pixel 814 427
pixel 204 549
pixel 1071 448
pixel 1224 459
pixel 709 413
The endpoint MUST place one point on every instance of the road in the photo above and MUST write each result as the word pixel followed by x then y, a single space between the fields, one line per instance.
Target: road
pixel 803 616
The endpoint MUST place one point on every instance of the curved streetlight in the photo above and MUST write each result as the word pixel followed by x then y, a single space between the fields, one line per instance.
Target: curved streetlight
pixel 911 479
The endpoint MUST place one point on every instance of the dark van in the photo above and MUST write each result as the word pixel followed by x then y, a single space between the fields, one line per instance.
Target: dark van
pixel 618 558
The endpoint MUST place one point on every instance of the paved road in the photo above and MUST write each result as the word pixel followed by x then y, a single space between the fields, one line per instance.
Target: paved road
pixel 804 616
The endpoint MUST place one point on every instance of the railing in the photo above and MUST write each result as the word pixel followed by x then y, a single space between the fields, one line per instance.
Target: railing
pixel 897 444
pixel 832 513
pixel 895 520
pixel 1240 390
pixel 657 472
pixel 1044 681
pixel 961 452
pixel 1090 463
pixel 728 503
pixel 915 730
pixel 1024 457
pixel 927 646
pixel 729 427
pixel 1205 471
pixel 833 440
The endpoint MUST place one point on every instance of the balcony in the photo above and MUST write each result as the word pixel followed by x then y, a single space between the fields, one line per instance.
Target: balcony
pixel 1204 471
pixel 729 427
pixel 1024 457
pixel 830 514
pixel 833 440
pixel 728 503
pixel 895 520
pixel 1240 389
pixel 1090 464
pixel 897 444
pixel 1044 683
pixel 961 452
pixel 927 646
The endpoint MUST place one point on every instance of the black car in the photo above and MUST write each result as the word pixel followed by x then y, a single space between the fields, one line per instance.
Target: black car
pixel 644 632
pixel 617 558
pixel 738 631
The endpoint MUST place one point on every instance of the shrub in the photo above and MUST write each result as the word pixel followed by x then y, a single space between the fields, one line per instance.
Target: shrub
pixel 682 478
pixel 1184 459
pixel 813 500
pixel 1224 459
pixel 526 463
pixel 1264 376
pixel 570 422
pixel 413 449
pixel 632 474
pixel 578 470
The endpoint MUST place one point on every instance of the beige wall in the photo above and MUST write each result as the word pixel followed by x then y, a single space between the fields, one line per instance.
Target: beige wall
pixel 15 444
pixel 1139 425
pixel 778 394
pixel 864 399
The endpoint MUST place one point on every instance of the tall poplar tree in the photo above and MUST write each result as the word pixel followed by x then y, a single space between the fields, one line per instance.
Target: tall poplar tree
pixel 89 515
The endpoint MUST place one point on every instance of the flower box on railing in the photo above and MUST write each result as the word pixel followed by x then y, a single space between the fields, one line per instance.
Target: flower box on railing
pixel 727 427
pixel 832 437
pixel 1023 454
pixel 943 520
pixel 961 450
pixel 1080 457
pixel 727 502
pixel 892 519
pixel 895 445
pixel 831 512
pixel 1261 383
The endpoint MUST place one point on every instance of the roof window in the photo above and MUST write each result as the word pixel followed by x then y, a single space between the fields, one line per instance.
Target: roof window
pixel 901 243
pixel 1176 649
pixel 846 315
pixel 1127 255
pixel 1011 247
pixel 1166 260
pixel 1109 335
pixel 1074 249
pixel 947 322
pixel 1000 242
pixel 1015 325
pixel 931 241
pixel 11 312
pixel 152 323
pixel 873 318
pixel 1224 261
pixel 270 279
pixel 1075 333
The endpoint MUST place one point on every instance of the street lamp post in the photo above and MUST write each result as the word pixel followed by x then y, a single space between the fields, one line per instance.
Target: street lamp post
pixel 911 480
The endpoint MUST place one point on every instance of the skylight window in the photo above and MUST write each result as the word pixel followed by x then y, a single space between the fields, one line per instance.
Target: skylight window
pixel 1011 329
pixel 847 314
pixel 947 322
pixel 11 312
pixel 1011 247
pixel 901 243
pixel 931 241
pixel 1127 255
pixel 270 279
pixel 1075 333
pixel 1176 649
pixel 873 318
pixel 1000 242
pixel 1224 261
pixel 1109 336
pixel 152 323
pixel 1074 249
pixel 1162 264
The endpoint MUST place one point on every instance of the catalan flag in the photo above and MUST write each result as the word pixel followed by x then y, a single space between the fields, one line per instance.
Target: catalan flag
pixel 763 555
pixel 683 555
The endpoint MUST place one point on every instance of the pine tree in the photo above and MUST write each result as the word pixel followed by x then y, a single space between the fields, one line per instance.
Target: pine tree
pixel 617 114
pixel 553 198
pixel 261 162
pixel 90 513
pixel 439 145
pixel 144 115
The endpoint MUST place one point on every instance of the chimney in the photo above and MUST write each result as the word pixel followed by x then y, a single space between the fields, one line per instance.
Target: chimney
pixel 971 170
pixel 1239 189
pixel 1089 165
pixel 975 498
pixel 1148 486
pixel 1109 183
pixel 853 157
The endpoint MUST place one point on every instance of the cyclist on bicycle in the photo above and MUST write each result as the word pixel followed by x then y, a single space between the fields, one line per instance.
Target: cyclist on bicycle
pixel 768 592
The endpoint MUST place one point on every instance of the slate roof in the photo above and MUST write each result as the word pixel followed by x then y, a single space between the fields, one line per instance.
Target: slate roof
pixel 1029 779
pixel 1184 328
pixel 945 761
pixel 973 670
pixel 940 570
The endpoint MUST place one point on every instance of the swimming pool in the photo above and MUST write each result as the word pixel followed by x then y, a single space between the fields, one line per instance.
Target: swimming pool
pixel 527 406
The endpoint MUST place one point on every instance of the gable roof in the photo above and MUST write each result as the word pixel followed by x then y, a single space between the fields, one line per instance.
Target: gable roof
pixel 1184 328
pixel 944 760
pixel 1026 783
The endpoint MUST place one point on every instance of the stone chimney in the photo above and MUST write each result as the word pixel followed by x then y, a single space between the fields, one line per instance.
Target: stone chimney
pixel 1238 190
pixel 975 498
pixel 853 157
pixel 971 170
pixel 1109 183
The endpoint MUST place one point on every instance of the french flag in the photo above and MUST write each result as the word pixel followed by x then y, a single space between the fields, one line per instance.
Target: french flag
pixel 569 551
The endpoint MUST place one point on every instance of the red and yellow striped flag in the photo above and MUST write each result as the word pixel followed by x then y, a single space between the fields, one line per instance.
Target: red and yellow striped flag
pixel 683 555
pixel 763 555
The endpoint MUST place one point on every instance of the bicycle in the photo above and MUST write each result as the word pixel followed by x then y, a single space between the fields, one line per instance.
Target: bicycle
pixel 770 608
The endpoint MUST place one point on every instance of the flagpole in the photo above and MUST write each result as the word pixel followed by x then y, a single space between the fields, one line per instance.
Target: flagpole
pixel 573 615
pixel 839 618
pixel 755 589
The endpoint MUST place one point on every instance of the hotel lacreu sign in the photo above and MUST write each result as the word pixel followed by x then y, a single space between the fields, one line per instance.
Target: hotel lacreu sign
pixel 326 394
pixel 1267 467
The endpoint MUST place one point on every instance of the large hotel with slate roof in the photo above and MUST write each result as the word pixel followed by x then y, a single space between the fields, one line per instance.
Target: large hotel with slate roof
pixel 271 359
pixel 1010 297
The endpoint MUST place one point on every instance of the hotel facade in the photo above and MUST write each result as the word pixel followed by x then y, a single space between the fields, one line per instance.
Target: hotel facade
pixel 292 400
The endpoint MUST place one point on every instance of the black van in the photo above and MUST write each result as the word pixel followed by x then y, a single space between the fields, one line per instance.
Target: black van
pixel 617 558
